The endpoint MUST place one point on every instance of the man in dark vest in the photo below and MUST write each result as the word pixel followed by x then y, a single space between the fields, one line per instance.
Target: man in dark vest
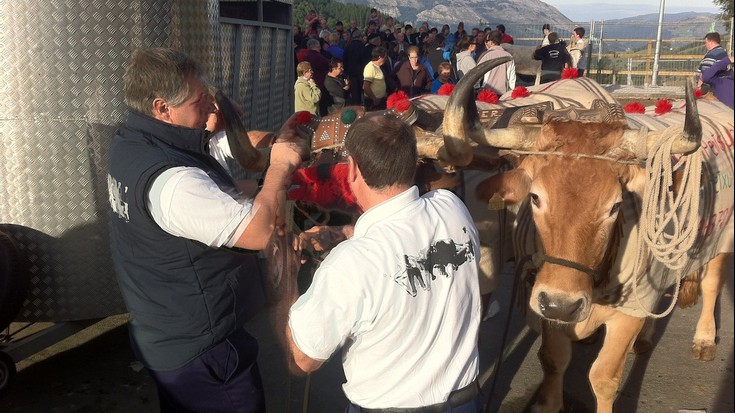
pixel 175 218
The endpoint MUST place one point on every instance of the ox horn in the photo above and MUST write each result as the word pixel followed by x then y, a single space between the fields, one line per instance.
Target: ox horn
pixel 688 141
pixel 237 136
pixel 461 120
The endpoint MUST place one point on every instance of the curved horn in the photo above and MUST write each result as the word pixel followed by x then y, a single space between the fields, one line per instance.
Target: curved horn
pixel 237 137
pixel 461 119
pixel 688 141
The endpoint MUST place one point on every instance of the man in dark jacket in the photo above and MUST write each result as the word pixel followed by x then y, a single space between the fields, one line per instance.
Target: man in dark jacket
pixel 175 216
pixel 554 58
pixel 354 66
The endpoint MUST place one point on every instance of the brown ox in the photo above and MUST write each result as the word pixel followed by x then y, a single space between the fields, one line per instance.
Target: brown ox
pixel 583 183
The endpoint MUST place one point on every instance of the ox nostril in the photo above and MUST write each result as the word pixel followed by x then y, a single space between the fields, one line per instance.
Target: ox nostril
pixel 543 302
pixel 559 309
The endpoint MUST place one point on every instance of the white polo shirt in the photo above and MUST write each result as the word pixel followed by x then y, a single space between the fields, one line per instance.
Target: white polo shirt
pixel 408 338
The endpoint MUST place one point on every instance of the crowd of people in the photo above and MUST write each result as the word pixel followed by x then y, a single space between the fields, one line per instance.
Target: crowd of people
pixel 380 57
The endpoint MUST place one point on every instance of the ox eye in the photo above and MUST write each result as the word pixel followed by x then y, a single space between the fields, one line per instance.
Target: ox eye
pixel 535 200
pixel 615 208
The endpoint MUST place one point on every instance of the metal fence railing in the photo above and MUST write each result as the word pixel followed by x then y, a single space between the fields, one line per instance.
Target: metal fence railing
pixel 624 53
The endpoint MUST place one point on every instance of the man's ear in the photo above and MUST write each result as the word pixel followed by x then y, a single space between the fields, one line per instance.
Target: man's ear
pixel 161 110
pixel 352 170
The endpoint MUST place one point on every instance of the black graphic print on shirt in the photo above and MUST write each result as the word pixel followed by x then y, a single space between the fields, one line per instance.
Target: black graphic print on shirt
pixel 440 259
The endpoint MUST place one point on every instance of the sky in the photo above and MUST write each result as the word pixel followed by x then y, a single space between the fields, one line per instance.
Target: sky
pixel 616 9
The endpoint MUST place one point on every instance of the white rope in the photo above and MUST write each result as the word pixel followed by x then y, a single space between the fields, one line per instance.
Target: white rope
pixel 668 224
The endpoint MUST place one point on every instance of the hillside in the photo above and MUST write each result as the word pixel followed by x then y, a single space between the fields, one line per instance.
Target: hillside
pixel 472 12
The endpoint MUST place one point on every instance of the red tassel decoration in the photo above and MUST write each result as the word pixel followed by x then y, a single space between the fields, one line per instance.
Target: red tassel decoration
pixel 569 73
pixel 303 117
pixel 634 107
pixel 520 92
pixel 487 96
pixel 445 90
pixel 663 106
pixel 328 191
pixel 698 93
pixel 396 97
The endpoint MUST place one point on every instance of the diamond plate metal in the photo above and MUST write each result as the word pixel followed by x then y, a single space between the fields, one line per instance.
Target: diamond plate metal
pixel 61 68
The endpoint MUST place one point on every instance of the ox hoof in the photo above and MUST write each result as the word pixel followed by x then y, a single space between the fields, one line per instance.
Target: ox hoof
pixel 642 346
pixel 704 351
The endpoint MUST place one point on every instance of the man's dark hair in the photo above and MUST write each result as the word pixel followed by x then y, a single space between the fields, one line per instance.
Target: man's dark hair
pixel 713 37
pixel 384 148
pixel 439 40
pixel 553 37
pixel 495 36
pixel 377 53
pixel 407 27
pixel 579 31
pixel 465 42
pixel 334 62
pixel 501 28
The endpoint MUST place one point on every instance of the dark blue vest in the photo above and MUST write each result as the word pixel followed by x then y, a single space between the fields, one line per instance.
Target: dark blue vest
pixel 183 296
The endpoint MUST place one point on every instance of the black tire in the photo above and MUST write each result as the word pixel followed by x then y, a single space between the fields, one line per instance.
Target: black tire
pixel 7 373
pixel 14 279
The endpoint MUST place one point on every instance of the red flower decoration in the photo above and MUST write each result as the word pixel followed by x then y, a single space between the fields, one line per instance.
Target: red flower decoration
pixel 634 107
pixel 487 96
pixel 402 106
pixel 570 73
pixel 328 190
pixel 520 92
pixel 698 93
pixel 395 98
pixel 663 106
pixel 303 117
pixel 445 90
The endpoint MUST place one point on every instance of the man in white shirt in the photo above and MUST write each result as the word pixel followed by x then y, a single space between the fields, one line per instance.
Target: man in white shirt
pixel 401 296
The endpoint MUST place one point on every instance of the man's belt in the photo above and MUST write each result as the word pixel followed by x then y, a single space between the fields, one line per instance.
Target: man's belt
pixel 456 398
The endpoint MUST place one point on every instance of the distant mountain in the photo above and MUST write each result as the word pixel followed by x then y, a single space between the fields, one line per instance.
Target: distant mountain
pixel 474 13
pixel 688 17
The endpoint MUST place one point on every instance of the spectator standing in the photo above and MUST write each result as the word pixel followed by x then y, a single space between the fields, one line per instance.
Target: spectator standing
pixel 354 28
pixel 413 77
pixel 408 331
pixel 715 52
pixel 306 91
pixel 465 60
pixel 354 67
pixel 720 78
pixel 319 63
pixel 173 226
pixel 436 53
pixel 333 47
pixel 374 85
pixel 444 76
pixel 546 29
pixel 502 78
pixel 554 58
pixel 506 37
pixel 311 24
pixel 374 19
pixel 578 50
pixel 336 86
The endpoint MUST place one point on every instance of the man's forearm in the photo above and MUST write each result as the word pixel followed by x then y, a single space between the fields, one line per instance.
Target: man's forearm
pixel 265 207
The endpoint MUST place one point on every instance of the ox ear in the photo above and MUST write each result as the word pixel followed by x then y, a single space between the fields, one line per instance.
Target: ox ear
pixel 634 178
pixel 513 186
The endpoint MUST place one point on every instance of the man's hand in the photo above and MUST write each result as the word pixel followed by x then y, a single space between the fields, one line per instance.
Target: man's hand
pixel 324 238
pixel 292 143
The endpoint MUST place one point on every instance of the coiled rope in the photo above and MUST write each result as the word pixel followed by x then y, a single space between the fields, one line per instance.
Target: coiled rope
pixel 669 223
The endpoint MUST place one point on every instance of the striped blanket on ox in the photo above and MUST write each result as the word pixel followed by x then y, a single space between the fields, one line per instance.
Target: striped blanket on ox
pixel 639 296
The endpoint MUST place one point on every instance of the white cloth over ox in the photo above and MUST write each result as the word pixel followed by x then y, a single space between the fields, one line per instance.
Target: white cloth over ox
pixel 640 296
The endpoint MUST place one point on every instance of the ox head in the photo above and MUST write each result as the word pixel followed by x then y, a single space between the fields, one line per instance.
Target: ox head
pixel 573 175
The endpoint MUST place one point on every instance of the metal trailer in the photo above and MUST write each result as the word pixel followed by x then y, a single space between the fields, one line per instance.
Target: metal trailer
pixel 61 100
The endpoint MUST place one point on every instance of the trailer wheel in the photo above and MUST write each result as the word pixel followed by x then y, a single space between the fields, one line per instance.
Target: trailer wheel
pixel 7 373
pixel 14 279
